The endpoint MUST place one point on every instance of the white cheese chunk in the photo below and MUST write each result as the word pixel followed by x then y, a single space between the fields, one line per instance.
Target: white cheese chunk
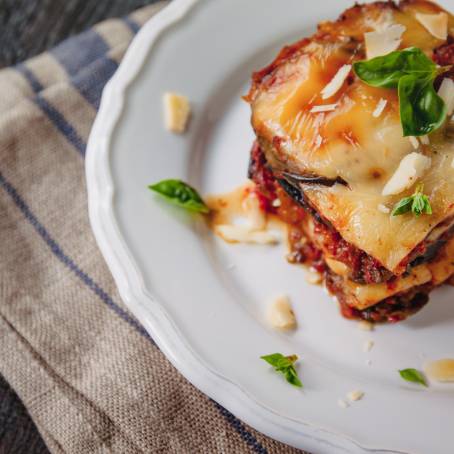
pixel 365 326
pixel 276 203
pixel 441 370
pixel 176 112
pixel 256 216
pixel 380 108
pixel 435 24
pixel 446 93
pixel 336 82
pixel 410 169
pixel 312 277
pixel 353 396
pixel 243 234
pixel 323 108
pixel 380 43
pixel 280 313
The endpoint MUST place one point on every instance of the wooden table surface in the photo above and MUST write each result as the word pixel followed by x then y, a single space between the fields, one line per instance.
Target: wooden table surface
pixel 28 27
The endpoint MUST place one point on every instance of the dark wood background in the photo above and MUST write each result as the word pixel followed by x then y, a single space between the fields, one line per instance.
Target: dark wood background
pixel 27 28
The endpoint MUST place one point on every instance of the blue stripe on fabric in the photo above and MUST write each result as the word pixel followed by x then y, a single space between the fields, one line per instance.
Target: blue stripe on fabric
pixel 80 51
pixel 133 25
pixel 66 260
pixel 61 124
pixel 90 82
pixel 105 298
pixel 35 84
pixel 241 430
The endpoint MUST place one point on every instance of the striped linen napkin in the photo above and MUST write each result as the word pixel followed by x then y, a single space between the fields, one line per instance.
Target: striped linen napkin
pixel 88 373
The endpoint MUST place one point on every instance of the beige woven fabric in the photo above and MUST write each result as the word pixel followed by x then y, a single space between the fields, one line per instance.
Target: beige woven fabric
pixel 90 377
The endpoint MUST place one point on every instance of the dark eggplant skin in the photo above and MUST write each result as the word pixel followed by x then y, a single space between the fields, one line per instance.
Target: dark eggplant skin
pixel 314 179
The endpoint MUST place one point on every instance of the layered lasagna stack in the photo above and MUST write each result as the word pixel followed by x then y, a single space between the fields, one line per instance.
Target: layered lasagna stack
pixel 332 161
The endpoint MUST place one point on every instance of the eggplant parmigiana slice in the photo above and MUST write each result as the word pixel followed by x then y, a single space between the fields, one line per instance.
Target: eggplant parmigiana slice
pixel 327 145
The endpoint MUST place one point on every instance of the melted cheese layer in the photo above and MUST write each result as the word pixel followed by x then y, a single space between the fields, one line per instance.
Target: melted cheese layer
pixel 435 273
pixel 351 142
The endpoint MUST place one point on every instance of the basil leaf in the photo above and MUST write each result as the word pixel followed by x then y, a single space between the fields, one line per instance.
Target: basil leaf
pixel 284 365
pixel 403 206
pixel 413 74
pixel 421 205
pixel 386 71
pixel 414 376
pixel 181 194
pixel 418 204
pixel 421 109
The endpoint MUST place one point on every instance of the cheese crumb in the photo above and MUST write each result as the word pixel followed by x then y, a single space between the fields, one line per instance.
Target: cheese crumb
pixel 435 24
pixel 276 203
pixel 353 396
pixel 380 108
pixel 414 142
pixel 342 403
pixel 365 326
pixel 243 234
pixel 314 278
pixel 336 82
pixel 280 313
pixel 410 169
pixel 446 93
pixel 383 208
pixel 318 141
pixel 176 112
pixel 323 108
pixel 441 370
pixel 367 346
pixel 380 43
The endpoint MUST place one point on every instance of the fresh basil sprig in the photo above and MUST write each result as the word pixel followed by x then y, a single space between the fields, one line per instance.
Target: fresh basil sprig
pixel 181 194
pixel 414 376
pixel 284 365
pixel 422 111
pixel 418 203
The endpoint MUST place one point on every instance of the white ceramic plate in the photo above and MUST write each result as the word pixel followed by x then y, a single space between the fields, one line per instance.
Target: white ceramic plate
pixel 176 277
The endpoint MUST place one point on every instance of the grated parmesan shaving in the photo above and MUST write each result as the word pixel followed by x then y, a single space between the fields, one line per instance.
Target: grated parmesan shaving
pixel 336 82
pixel 435 24
pixel 380 43
pixel 380 108
pixel 446 93
pixel 410 169
pixel 276 203
pixel 323 108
